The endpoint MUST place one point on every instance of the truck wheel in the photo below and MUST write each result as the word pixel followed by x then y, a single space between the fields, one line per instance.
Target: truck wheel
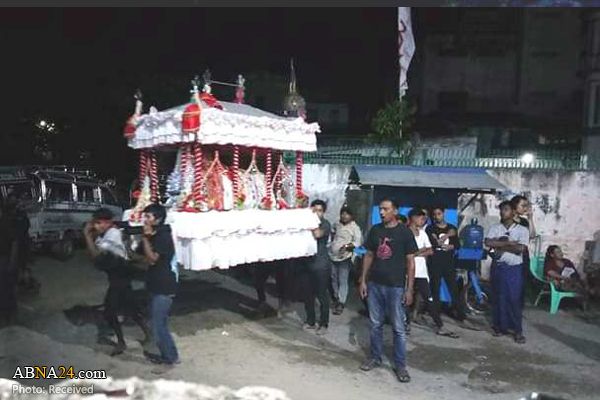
pixel 65 248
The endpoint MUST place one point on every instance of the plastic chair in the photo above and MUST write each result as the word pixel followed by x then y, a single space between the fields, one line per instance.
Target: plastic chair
pixel 536 266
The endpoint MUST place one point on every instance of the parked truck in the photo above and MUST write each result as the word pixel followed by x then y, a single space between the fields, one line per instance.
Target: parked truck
pixel 58 201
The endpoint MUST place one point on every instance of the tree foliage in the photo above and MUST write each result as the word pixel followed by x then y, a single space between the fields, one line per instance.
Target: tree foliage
pixel 393 125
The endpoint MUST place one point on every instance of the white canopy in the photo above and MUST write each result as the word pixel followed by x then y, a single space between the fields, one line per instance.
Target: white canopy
pixel 237 124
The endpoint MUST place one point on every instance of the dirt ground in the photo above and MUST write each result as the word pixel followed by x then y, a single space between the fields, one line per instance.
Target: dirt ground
pixel 224 340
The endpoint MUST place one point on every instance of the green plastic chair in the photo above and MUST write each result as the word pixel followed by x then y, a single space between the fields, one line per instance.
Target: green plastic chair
pixel 536 266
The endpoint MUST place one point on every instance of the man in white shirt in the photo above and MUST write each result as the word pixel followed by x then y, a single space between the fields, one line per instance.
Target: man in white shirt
pixel 346 237
pixel 417 220
pixel 508 241
pixel 105 244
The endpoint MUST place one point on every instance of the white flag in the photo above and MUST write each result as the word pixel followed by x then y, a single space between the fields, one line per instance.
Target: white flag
pixel 406 45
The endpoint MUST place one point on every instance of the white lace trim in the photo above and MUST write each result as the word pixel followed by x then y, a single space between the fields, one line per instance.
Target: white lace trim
pixel 228 251
pixel 215 223
pixel 223 127
pixel 224 239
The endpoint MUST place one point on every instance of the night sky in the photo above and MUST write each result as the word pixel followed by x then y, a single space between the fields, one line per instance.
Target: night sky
pixel 60 56
pixel 80 67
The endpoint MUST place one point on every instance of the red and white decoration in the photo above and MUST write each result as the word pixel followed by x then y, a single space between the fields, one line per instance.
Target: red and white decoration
pixel 129 131
pixel 231 214
pixel 235 124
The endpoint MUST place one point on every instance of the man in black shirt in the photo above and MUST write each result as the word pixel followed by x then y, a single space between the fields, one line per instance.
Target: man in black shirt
pixel 159 250
pixel 443 236
pixel 389 260
pixel 319 273
pixel 8 269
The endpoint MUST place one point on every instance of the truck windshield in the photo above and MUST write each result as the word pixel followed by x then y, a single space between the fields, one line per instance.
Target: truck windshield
pixel 23 190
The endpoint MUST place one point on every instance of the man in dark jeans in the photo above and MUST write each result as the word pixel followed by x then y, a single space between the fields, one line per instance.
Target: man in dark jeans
pixel 319 274
pixel 161 283
pixel 389 260
pixel 8 270
pixel 444 238
pixel 509 241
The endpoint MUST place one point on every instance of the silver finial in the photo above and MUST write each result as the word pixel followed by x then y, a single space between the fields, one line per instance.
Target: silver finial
pixel 195 84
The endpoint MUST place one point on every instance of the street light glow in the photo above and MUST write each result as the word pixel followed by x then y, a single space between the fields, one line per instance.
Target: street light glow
pixel 528 158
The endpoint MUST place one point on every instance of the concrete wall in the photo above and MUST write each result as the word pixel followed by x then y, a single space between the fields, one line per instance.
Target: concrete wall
pixel 566 204
pixel 565 207
pixel 329 183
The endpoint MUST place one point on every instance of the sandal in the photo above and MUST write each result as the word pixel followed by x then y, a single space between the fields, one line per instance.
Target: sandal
pixel 497 333
pixel 520 339
pixel 402 375
pixel 443 332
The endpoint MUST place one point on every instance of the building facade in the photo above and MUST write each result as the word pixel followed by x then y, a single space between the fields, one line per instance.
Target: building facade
pixel 591 73
pixel 522 61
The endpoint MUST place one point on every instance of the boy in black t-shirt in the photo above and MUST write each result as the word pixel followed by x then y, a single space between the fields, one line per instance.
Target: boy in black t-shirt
pixel 443 236
pixel 386 266
pixel 319 274
pixel 161 283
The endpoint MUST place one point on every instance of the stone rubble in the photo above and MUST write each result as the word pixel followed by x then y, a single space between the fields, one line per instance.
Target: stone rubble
pixel 135 389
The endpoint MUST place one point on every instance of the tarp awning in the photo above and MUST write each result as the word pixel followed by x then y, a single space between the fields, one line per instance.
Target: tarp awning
pixel 463 179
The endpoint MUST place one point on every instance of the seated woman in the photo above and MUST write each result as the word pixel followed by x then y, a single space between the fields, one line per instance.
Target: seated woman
pixel 562 272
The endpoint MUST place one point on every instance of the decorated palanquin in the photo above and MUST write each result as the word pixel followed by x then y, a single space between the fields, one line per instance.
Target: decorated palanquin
pixel 231 197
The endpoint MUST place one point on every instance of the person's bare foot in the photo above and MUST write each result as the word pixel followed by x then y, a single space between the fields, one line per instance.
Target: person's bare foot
pixel 466 324
pixel 402 375
pixel 119 349
pixel 444 332
pixel 322 331
pixel 370 365
pixel 162 369
pixel 519 338
pixel 308 327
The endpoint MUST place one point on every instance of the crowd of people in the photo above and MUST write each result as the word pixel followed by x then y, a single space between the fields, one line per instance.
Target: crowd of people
pixel 110 253
pixel 405 260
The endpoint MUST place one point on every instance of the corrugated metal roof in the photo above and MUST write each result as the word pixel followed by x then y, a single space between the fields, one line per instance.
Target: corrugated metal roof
pixel 466 179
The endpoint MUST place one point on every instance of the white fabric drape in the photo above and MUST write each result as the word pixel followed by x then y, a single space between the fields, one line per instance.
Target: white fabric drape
pixel 224 239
